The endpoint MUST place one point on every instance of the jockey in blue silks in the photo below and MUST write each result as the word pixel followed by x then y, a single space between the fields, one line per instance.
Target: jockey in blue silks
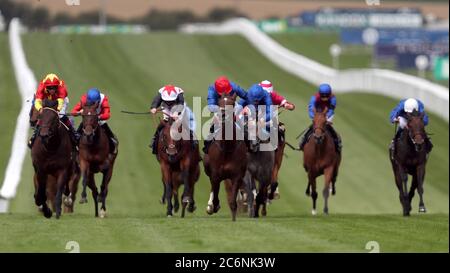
pixel 324 98
pixel 257 96
pixel 399 115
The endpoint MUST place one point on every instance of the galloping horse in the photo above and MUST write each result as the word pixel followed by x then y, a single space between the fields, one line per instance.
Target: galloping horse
pixel 279 152
pixel 179 163
pixel 320 157
pixel 95 156
pixel 226 159
pixel 410 157
pixel 260 168
pixel 53 162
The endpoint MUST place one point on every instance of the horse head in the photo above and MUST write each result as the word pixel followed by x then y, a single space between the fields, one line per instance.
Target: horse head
pixel 319 125
pixel 416 130
pixel 226 105
pixel 48 120
pixel 171 141
pixel 90 121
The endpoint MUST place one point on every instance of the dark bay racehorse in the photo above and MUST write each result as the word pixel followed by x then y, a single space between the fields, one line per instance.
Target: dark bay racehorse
pixel 52 161
pixel 410 157
pixel 226 159
pixel 320 157
pixel 95 157
pixel 179 162
pixel 259 170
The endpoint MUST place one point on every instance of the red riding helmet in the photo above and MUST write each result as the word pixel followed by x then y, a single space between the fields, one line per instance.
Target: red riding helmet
pixel 223 85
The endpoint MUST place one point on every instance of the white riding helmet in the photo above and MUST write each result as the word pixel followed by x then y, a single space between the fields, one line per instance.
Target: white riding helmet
pixel 266 85
pixel 411 105
pixel 170 92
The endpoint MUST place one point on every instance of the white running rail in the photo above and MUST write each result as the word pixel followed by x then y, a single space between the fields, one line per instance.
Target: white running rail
pixel 379 81
pixel 27 84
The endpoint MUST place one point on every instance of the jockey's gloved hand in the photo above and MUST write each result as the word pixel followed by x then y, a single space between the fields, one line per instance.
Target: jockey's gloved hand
pixel 289 106
pixel 153 111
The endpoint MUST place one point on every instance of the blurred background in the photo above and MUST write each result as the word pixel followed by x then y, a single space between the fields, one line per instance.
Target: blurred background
pixel 386 34
pixel 129 49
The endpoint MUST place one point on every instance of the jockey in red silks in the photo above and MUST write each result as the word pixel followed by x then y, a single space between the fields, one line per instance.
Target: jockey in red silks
pixel 53 89
pixel 324 98
pixel 94 96
pixel 277 99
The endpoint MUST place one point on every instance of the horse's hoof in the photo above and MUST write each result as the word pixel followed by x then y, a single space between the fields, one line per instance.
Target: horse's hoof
pixel 276 196
pixel 68 201
pixel 314 212
pixel 40 208
pixel 191 208
pixel 422 210
pixel 169 215
pixel 102 213
pixel 325 211
pixel 209 209
pixel 48 213
pixel 83 200
pixel 406 213
pixel 216 209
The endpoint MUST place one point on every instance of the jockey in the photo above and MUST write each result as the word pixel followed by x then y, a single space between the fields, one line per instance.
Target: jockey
pixel 323 98
pixel 171 99
pixel 53 89
pixel 221 86
pixel 278 100
pixel 257 96
pixel 399 113
pixel 94 96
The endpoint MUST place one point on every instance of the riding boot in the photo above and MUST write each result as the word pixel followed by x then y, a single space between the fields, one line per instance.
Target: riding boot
pixel 208 140
pixel 392 145
pixel 74 137
pixel 305 137
pixel 194 142
pixel 113 142
pixel 336 139
pixel 153 144
pixel 78 133
pixel 281 132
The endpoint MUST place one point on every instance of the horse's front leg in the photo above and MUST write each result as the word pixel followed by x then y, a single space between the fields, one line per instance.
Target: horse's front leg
pixel 312 184
pixel 232 187
pixel 328 175
pixel 40 196
pixel 107 174
pixel 213 202
pixel 167 179
pixel 84 169
pixel 61 181
pixel 401 180
pixel 93 187
pixel 420 181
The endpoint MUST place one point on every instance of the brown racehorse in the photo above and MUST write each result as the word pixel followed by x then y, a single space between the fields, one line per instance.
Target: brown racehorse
pixel 179 162
pixel 320 157
pixel 52 157
pixel 226 160
pixel 410 157
pixel 95 157
pixel 279 152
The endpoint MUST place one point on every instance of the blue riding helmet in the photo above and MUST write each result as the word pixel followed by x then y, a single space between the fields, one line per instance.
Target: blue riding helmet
pixel 325 89
pixel 256 93
pixel 93 95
